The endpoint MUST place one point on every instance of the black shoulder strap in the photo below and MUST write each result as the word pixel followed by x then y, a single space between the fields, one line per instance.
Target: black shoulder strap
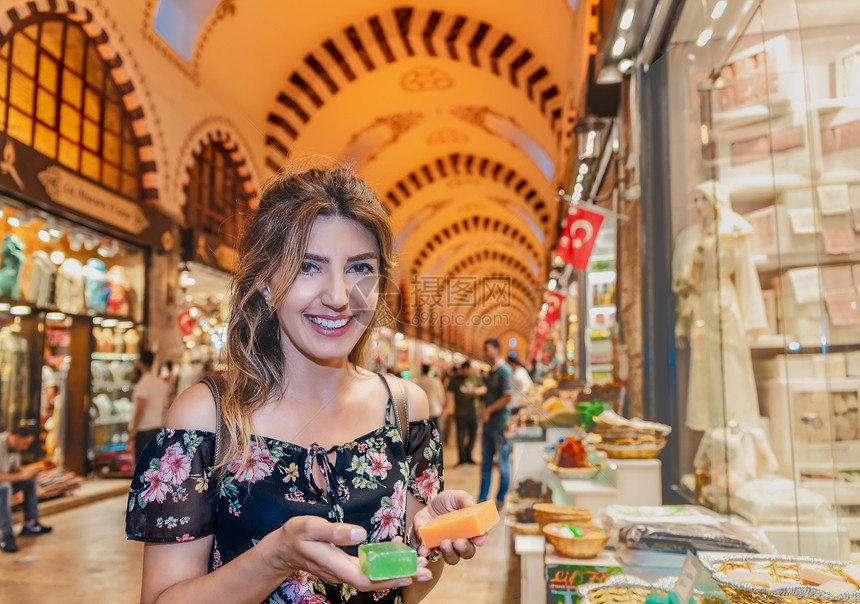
pixel 401 410
pixel 215 383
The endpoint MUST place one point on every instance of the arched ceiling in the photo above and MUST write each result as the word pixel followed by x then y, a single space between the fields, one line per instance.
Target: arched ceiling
pixel 458 113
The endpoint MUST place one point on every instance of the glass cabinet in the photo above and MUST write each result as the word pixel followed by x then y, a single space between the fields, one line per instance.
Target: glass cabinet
pixel 764 106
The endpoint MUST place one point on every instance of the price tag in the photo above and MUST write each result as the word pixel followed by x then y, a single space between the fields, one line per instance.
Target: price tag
pixel 688 578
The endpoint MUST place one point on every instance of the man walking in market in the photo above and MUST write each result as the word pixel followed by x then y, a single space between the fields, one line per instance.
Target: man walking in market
pixel 495 416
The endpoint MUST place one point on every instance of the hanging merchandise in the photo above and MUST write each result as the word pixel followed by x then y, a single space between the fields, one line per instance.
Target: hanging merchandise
pixel 14 373
pixel 578 237
pixel 95 281
pixel 70 287
pixel 12 256
pixel 118 300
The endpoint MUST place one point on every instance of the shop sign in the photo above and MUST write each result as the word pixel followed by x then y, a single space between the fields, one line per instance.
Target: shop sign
pixel 78 193
pixel 562 579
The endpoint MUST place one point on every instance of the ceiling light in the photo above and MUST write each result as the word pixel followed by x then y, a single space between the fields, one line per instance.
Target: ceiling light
pixel 580 178
pixel 703 131
pixel 57 257
pixel 626 19
pixel 583 169
pixel 54 233
pixel 552 283
pixel 577 188
pixel 618 47
pixel 704 37
pixel 14 222
pixel 719 9
pixel 625 65
pixel 399 336
pixel 109 323
pixel 20 310
pixel 576 196
pixel 55 316
pixel 44 236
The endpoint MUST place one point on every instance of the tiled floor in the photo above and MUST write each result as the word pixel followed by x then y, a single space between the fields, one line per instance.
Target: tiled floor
pixel 86 560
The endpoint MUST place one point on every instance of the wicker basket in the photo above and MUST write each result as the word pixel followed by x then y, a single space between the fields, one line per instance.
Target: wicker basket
pixel 546 513
pixel 522 528
pixel 568 473
pixel 633 451
pixel 576 547
pixel 783 569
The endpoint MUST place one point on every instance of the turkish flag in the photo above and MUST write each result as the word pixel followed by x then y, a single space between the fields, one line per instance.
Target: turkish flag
pixel 577 238
pixel 540 336
pixel 553 306
pixel 186 323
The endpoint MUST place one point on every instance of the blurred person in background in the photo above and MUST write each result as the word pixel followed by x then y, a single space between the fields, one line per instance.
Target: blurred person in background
pixel 14 478
pixel 522 382
pixel 435 391
pixel 495 417
pixel 463 393
pixel 150 398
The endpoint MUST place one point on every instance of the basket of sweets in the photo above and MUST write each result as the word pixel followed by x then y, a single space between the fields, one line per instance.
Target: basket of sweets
pixel 768 579
pixel 575 540
pixel 545 513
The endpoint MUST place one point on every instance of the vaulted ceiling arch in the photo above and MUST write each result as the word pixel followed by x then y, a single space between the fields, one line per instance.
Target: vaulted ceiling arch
pixel 403 33
pixel 451 167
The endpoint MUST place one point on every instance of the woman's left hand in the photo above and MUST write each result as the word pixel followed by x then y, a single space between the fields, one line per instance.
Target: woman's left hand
pixel 444 502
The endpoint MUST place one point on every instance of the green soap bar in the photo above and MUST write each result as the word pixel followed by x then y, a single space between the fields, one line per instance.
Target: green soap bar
pixel 656 598
pixel 388 560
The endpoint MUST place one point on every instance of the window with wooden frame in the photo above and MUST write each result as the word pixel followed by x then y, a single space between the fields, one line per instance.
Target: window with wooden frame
pixel 216 195
pixel 57 96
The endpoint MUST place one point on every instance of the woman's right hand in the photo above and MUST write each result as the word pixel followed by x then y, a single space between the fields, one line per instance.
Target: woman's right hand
pixel 309 543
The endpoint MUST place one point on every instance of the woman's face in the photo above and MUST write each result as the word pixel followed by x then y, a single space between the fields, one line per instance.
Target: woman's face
pixel 332 300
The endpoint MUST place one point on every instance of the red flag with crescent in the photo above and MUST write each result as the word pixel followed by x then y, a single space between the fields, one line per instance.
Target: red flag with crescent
pixel 577 238
pixel 553 306
pixel 540 337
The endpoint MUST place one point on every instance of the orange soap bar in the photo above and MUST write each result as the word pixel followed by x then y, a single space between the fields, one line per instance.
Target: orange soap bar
pixel 461 524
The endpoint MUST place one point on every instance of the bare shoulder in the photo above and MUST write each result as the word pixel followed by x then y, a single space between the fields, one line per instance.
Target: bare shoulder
pixel 419 408
pixel 193 409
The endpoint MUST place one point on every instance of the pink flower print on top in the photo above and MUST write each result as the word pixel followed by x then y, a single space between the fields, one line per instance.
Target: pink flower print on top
pixel 389 523
pixel 299 589
pixel 175 465
pixel 258 466
pixel 379 464
pixel 157 490
pixel 428 484
pixel 398 498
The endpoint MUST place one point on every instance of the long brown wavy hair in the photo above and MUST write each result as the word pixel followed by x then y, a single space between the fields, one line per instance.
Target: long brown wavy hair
pixel 271 249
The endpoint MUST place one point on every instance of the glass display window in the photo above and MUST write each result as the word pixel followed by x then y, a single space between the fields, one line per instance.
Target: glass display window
pixel 764 109
pixel 54 264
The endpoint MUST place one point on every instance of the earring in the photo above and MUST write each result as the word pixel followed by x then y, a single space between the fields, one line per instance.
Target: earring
pixel 267 297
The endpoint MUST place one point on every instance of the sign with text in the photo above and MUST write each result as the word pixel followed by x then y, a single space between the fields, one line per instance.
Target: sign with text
pixel 78 193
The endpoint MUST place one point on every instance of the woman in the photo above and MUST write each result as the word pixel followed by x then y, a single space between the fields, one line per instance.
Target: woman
pixel 311 465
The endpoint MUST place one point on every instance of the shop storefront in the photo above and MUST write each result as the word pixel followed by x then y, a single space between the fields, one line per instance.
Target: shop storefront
pixel 73 303
pixel 751 121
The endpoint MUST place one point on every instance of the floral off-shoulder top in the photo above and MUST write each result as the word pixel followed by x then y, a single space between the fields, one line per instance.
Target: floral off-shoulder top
pixel 174 498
